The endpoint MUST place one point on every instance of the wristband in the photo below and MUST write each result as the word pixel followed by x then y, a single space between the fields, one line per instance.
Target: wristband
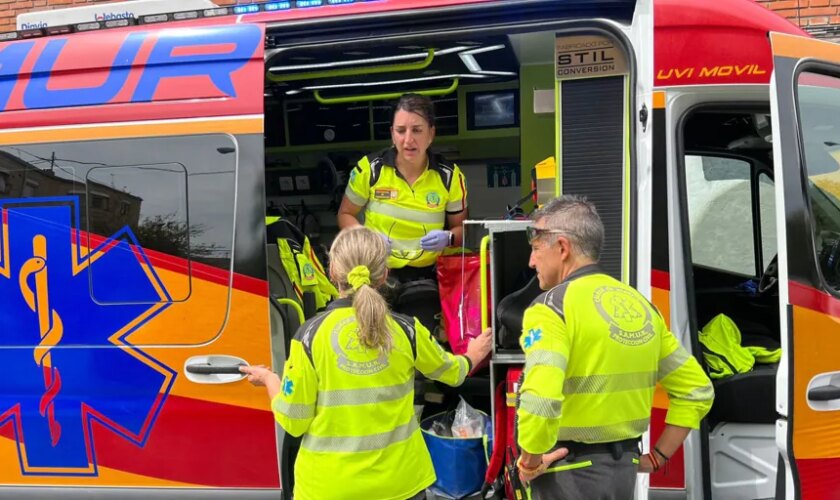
pixel 666 457
pixel 451 239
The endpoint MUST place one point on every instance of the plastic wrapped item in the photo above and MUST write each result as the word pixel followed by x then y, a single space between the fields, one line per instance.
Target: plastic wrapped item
pixel 468 423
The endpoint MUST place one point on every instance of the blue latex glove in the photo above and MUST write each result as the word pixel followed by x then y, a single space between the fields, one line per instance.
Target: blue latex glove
pixel 435 241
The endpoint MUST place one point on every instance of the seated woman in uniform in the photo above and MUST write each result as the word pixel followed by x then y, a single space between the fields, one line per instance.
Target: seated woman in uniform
pixel 348 383
pixel 413 198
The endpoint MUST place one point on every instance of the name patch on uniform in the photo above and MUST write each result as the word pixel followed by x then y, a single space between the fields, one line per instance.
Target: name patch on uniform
pixel 385 194
pixel 629 318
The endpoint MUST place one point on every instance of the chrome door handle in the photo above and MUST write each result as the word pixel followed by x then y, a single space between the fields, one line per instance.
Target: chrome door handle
pixel 214 369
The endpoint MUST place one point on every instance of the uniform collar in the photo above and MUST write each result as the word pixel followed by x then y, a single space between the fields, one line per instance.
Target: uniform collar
pixel 583 271
pixel 389 158
pixel 340 303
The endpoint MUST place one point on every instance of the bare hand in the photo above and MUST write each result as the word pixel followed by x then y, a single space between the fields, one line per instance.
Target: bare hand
pixel 645 465
pixel 480 347
pixel 257 374
pixel 547 459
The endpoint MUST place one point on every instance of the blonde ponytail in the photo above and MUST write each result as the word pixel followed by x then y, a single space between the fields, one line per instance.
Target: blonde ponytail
pixel 357 261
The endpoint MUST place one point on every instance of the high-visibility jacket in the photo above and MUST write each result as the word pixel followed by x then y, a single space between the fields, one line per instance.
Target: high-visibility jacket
pixel 355 407
pixel 722 350
pixel 302 266
pixel 405 213
pixel 595 349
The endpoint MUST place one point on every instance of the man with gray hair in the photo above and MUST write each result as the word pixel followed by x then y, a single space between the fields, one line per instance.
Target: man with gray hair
pixel 594 350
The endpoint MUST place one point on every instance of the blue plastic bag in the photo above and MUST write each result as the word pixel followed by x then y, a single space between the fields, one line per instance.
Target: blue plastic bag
pixel 460 463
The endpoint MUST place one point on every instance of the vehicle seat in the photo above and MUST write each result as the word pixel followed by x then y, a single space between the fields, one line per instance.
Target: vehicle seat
pixel 748 398
pixel 420 299
pixel 510 311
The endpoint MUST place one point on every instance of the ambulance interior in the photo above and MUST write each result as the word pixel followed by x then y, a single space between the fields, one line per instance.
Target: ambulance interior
pixel 326 106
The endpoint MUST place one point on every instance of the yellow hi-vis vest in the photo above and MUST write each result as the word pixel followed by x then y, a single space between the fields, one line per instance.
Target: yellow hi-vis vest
pixel 355 407
pixel 406 213
pixel 595 349
pixel 304 270
pixel 722 350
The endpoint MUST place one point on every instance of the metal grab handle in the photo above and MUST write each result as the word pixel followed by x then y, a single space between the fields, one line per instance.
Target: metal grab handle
pixel 824 393
pixel 208 369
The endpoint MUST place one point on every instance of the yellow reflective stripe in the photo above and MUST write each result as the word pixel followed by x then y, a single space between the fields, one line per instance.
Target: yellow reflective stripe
pixel 705 393
pixel 405 214
pixel 600 384
pixel 604 433
pixel 672 362
pixel 636 461
pixel 298 411
pixel 542 357
pixel 539 406
pixel 363 396
pixel 463 367
pixel 576 465
pixel 350 444
pixel 354 197
pixel 441 370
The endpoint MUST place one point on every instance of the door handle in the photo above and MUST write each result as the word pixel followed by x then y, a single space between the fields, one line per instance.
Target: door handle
pixel 824 393
pixel 208 369
pixel 214 369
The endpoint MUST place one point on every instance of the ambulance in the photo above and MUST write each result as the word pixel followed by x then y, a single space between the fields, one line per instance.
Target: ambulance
pixel 140 155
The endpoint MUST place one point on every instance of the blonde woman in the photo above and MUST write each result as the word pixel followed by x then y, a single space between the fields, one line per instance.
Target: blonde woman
pixel 348 385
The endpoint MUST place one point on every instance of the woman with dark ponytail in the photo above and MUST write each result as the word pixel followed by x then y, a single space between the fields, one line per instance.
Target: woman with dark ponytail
pixel 348 385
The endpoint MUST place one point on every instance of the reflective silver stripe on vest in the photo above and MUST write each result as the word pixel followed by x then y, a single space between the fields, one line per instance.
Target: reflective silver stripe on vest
pixel 354 198
pixel 539 406
pixel 441 370
pixel 367 395
pixel 604 433
pixel 705 393
pixel 349 444
pixel 541 357
pixel 672 362
pixel 600 384
pixel 298 411
pixel 405 214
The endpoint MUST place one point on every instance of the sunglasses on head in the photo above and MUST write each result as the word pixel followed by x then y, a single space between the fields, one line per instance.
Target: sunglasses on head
pixel 535 232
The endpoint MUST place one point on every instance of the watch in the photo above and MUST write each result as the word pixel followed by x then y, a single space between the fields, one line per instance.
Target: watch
pixel 451 238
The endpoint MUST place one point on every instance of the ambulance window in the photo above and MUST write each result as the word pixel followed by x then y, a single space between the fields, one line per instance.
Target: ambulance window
pixel 767 218
pixel 168 201
pixel 720 213
pixel 819 114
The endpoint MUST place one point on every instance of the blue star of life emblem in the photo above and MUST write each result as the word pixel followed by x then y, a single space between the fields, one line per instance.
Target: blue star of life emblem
pixel 66 313
pixel 288 386
pixel 534 336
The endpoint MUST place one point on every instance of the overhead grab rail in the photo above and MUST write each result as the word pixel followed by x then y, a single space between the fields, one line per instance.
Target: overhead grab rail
pixel 366 70
pixel 384 97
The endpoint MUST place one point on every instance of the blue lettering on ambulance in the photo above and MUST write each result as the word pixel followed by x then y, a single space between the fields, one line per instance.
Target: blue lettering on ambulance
pixel 11 59
pixel 39 95
pixel 163 63
pixel 219 67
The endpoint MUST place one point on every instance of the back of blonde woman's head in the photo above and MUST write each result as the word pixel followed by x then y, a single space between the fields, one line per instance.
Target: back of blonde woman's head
pixel 357 264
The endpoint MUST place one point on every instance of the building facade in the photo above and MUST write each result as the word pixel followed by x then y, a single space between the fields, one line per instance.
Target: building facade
pixel 819 17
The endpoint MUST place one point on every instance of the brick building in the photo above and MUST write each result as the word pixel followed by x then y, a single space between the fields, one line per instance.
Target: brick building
pixel 819 17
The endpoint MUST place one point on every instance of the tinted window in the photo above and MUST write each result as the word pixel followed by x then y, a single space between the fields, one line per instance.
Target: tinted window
pixel 132 222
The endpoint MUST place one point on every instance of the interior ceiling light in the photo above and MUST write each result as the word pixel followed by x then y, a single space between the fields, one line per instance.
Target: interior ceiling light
pixel 391 82
pixel 468 58
pixel 353 62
